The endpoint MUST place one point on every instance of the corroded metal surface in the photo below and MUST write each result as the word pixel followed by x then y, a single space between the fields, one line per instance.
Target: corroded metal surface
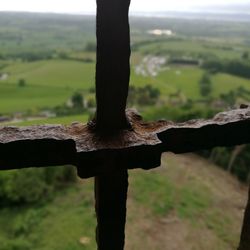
pixel 225 129
pixel 140 147
pixel 245 234
pixel 113 66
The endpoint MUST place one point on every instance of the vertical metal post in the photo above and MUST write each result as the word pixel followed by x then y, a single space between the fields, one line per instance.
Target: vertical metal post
pixel 112 82
pixel 245 234
pixel 112 67
pixel 111 196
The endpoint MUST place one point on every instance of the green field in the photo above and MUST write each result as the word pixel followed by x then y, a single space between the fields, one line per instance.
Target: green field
pixel 53 73
pixel 66 120
pixel 196 48
pixel 48 83
pixel 28 32
pixel 70 67
pixel 15 99
pixel 172 202
pixel 51 83
pixel 190 204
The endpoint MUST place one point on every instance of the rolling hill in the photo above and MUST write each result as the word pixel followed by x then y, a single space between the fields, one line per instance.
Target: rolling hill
pixel 188 204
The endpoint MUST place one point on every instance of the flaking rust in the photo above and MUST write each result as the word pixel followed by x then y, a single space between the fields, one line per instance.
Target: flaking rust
pixel 138 147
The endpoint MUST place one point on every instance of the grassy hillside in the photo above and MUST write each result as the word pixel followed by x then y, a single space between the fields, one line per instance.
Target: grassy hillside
pixel 16 99
pixel 67 120
pixel 51 54
pixel 196 47
pixel 50 73
pixel 188 204
pixel 48 83
pixel 29 32
pixel 52 82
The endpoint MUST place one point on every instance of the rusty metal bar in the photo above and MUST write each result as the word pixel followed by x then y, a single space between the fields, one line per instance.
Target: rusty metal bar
pixel 245 234
pixel 141 147
pixel 111 195
pixel 108 150
pixel 112 82
pixel 112 67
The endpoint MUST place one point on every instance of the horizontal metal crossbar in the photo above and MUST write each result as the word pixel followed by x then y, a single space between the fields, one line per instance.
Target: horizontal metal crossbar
pixel 138 147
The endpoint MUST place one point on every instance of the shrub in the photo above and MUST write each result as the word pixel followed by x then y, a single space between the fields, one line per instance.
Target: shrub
pixel 16 244
pixel 77 100
pixel 32 185
pixel 90 47
pixel 146 95
pixel 21 83
pixel 205 85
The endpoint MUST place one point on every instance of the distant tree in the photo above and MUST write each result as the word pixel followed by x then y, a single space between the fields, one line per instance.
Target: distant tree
pixel 238 68
pixel 154 93
pixel 229 98
pixel 21 83
pixel 92 90
pixel 245 55
pixel 88 60
pixel 90 47
pixel 62 55
pixel 233 67
pixel 91 103
pixel 146 95
pixel 205 85
pixel 213 66
pixel 77 100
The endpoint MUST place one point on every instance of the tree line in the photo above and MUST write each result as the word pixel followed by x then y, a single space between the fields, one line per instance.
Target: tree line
pixel 240 67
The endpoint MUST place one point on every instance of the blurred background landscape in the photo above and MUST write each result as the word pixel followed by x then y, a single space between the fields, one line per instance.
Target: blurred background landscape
pixel 184 65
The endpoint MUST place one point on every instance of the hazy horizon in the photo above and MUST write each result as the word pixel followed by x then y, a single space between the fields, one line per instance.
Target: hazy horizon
pixel 77 6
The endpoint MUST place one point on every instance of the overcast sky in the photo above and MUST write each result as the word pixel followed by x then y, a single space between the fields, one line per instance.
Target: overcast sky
pixel 78 6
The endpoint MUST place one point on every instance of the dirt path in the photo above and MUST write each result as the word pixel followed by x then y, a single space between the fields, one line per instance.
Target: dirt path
pixel 173 233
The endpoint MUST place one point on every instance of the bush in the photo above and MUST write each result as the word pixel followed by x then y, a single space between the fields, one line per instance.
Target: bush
pixel 24 223
pixel 21 83
pixel 33 185
pixel 245 55
pixel 16 244
pixel 230 98
pixel 77 100
pixel 205 85
pixel 23 186
pixel 146 95
pixel 90 47
pixel 178 114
